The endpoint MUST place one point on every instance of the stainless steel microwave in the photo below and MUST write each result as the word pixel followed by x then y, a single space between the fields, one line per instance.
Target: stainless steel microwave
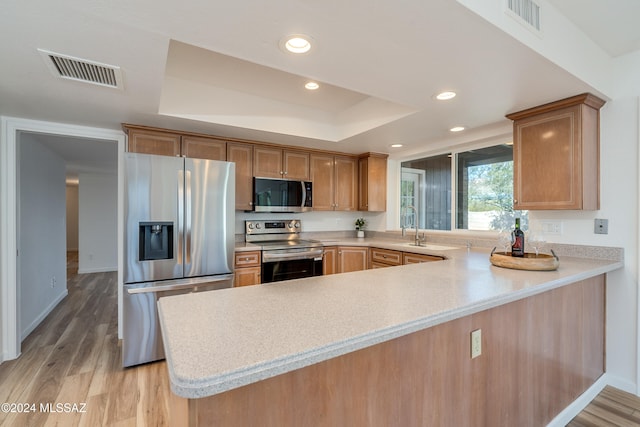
pixel 281 195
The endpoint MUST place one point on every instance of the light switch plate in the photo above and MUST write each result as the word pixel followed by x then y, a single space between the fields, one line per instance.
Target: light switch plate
pixel 601 226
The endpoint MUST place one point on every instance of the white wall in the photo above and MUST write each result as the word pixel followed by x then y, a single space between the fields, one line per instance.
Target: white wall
pixel 97 222
pixel 42 237
pixel 72 217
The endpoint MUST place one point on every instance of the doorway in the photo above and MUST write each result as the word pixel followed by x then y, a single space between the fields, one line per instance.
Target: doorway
pixel 10 219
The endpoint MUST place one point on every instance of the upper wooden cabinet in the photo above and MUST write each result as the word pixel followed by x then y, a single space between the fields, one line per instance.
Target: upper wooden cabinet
pixel 334 182
pixel 165 143
pixel 272 162
pixel 556 159
pixel 148 141
pixel 242 155
pixel 372 182
pixel 204 148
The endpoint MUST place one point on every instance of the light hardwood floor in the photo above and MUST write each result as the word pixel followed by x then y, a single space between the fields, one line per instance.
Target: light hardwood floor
pixel 612 407
pixel 73 357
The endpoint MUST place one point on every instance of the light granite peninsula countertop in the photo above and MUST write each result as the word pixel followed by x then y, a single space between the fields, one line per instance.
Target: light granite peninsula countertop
pixel 216 341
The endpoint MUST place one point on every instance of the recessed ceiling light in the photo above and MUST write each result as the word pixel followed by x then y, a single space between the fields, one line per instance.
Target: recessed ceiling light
pixel 457 129
pixel 443 96
pixel 311 85
pixel 296 43
pixel 396 145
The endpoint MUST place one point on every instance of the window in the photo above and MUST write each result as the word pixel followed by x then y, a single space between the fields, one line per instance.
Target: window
pixel 483 190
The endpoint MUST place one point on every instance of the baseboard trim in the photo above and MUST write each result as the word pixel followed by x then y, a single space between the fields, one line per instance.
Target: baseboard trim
pixel 563 418
pixel 45 313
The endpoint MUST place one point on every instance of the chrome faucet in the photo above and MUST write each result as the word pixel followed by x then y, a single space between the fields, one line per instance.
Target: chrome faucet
pixel 415 211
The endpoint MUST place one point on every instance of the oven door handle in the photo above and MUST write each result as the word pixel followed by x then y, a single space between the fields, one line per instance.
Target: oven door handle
pixel 271 257
pixel 174 285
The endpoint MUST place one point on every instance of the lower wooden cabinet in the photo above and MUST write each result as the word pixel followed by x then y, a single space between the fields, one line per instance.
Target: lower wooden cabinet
pixel 330 260
pixel 380 258
pixel 352 258
pixel 247 269
pixel 411 258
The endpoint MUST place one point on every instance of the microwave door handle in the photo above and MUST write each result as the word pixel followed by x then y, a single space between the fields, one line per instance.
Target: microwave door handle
pixel 180 185
pixel 304 194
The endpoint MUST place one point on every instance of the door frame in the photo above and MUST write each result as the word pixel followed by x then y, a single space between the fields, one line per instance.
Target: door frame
pixel 9 128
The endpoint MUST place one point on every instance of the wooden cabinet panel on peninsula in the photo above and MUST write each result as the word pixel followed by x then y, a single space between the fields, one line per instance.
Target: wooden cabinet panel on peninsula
pixel 335 182
pixel 247 268
pixel 556 155
pixel 270 162
pixel 242 155
pixel 372 182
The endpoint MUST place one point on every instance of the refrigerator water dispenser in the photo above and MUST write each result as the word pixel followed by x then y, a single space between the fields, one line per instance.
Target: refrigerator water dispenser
pixel 156 241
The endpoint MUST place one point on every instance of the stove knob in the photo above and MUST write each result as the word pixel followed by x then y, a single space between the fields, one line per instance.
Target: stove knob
pixel 297 224
pixel 258 225
pixel 250 226
pixel 290 225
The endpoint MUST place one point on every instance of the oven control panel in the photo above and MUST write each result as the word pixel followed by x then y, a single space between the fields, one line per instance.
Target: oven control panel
pixel 273 226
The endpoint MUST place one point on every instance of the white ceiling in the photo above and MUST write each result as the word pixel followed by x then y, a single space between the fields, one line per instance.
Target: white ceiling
pixel 216 67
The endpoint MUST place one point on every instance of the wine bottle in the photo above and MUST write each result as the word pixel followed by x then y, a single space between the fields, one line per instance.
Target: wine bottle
pixel 517 241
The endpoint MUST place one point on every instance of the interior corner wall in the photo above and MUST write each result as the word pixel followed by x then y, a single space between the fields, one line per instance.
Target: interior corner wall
pixel 72 217
pixel 97 222
pixel 42 237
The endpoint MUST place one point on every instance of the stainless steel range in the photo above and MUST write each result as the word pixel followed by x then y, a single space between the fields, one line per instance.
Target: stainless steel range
pixel 285 255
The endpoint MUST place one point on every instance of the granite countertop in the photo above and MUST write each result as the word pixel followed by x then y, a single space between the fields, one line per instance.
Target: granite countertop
pixel 216 341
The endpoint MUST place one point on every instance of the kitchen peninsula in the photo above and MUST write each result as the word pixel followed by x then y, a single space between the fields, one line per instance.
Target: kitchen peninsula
pixel 390 346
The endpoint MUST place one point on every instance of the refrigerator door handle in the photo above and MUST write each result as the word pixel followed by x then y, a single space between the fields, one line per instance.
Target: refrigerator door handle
pixel 180 214
pixel 187 227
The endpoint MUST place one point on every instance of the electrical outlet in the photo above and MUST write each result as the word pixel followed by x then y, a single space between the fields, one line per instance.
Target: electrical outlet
pixel 601 226
pixel 476 343
pixel 551 227
pixel 53 282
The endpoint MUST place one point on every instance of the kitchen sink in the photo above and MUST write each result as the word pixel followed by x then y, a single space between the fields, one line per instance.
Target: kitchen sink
pixel 429 246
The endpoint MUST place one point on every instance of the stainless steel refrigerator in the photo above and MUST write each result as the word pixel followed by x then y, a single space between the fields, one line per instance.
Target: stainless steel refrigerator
pixel 179 238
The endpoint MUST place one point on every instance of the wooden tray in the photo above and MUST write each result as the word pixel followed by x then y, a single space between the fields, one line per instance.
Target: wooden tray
pixel 530 261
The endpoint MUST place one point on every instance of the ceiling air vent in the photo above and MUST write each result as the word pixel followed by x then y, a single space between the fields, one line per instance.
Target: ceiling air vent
pixel 527 10
pixel 82 70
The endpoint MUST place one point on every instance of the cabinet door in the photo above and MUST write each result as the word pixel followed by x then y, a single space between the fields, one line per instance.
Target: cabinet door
pixel 296 165
pixel 352 258
pixel 372 181
pixel 346 183
pixel 363 184
pixel 267 162
pixel 547 157
pixel 330 260
pixel 204 148
pixel 153 142
pixel 247 276
pixel 242 156
pixel 556 155
pixel 322 177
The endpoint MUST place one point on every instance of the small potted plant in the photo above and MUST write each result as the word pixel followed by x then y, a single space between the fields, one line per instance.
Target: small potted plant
pixel 360 224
